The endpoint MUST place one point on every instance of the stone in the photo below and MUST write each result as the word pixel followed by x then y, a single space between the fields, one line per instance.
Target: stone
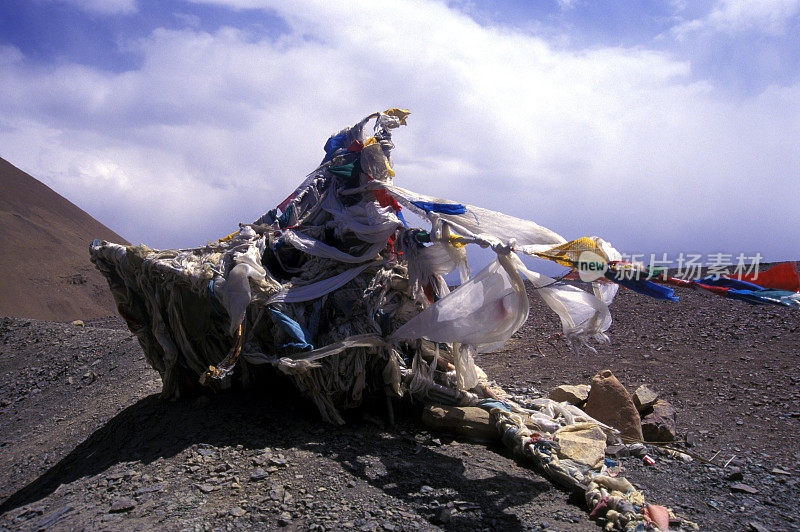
pixel 637 449
pixel 471 422
pixel 617 451
pixel 258 474
pixel 278 461
pixel 237 511
pixel 734 473
pixel 205 488
pixel 122 504
pixel 585 443
pixel 659 425
pixel 610 403
pixel 574 395
pixel 644 398
pixel 755 526
pixel 743 488
pixel 78 323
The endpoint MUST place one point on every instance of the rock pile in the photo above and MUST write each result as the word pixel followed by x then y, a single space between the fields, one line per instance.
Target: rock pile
pixel 638 416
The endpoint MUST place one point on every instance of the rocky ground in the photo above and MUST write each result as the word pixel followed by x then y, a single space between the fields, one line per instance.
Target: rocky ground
pixel 85 442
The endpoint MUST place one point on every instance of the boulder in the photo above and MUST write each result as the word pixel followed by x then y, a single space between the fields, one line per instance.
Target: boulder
pixel 584 443
pixel 659 425
pixel 574 395
pixel 644 398
pixel 610 403
pixel 469 421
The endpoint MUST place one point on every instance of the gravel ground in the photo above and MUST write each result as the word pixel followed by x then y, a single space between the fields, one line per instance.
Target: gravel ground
pixel 85 442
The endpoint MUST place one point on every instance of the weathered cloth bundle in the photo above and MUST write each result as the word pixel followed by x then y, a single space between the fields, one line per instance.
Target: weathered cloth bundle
pixel 336 291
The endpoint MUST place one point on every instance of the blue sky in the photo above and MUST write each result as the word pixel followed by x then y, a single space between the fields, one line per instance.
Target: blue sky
pixel 662 126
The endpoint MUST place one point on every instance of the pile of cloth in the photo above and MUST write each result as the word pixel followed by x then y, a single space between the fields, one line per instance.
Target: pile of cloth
pixel 335 290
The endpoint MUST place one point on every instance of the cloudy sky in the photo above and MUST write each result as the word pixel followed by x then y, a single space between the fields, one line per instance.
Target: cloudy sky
pixel 662 126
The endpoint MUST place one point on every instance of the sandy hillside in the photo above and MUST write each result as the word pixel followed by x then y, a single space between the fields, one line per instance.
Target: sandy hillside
pixel 45 260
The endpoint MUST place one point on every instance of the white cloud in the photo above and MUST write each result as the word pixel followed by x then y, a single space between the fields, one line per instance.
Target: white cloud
pixel 770 17
pixel 216 128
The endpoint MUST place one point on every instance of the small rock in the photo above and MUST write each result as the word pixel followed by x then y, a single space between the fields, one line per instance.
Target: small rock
pixel 618 451
pixel 637 450
pixel 659 425
pixel 278 461
pixel 258 474
pixel 743 488
pixel 644 398
pixel 122 504
pixel 205 488
pixel 691 440
pixel 779 471
pixel 574 395
pixel 78 323
pixel 734 474
pixel 755 526
pixel 610 403
pixel 237 511
pixel 284 519
pixel 277 493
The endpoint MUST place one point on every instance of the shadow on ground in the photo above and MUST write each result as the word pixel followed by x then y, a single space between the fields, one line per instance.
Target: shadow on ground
pixel 391 460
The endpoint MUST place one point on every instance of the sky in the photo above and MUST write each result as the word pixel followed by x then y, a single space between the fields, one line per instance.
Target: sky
pixel 662 126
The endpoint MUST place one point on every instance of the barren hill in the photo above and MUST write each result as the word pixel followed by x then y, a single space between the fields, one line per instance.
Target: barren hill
pixel 44 238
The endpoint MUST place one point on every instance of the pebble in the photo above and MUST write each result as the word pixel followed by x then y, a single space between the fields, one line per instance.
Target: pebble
pixel 122 504
pixel 278 461
pixel 205 488
pixel 733 474
pixel 258 474
pixel 743 488
pixel 755 526
pixel 237 511
pixel 284 519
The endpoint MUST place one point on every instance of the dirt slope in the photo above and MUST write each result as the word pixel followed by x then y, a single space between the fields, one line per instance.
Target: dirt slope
pixel 45 253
